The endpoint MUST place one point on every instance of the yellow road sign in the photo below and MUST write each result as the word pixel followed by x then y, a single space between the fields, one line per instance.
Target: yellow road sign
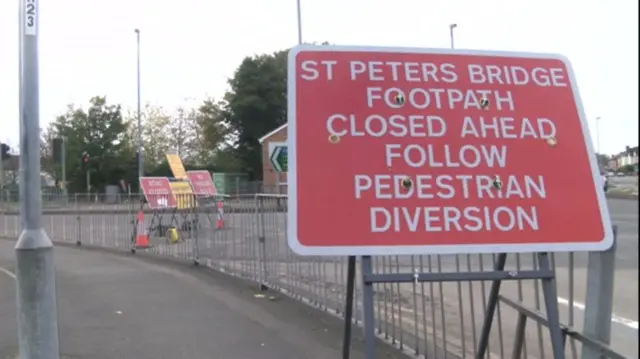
pixel 176 166
pixel 184 195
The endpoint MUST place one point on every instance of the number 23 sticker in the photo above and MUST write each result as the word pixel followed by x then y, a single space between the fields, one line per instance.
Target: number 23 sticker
pixel 31 16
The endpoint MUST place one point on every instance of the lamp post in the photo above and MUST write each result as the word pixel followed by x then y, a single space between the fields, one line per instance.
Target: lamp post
pixel 451 27
pixel 34 271
pixel 140 157
pixel 299 10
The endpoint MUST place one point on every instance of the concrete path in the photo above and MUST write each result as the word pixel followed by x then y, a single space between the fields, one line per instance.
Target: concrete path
pixel 118 307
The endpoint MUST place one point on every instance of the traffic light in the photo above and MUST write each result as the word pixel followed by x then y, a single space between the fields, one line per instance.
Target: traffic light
pixel 85 159
pixel 5 151
pixel 57 145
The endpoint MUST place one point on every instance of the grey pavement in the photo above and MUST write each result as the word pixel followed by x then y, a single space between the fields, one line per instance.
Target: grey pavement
pixel 623 187
pixel 113 306
pixel 624 181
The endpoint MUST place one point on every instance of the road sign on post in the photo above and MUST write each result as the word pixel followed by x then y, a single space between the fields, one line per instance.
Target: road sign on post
pixel 157 191
pixel 439 151
pixel 278 155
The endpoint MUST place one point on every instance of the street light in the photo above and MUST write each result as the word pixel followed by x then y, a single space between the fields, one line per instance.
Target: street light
pixel 299 22
pixel 37 316
pixel 140 157
pixel 451 27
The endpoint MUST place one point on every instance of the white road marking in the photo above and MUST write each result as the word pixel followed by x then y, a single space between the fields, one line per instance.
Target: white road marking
pixel 8 272
pixel 633 324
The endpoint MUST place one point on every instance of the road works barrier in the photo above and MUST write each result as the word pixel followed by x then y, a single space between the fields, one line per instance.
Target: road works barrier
pixel 429 319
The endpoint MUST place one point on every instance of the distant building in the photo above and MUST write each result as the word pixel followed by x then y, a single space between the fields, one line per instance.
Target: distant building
pixel 11 173
pixel 272 181
pixel 625 158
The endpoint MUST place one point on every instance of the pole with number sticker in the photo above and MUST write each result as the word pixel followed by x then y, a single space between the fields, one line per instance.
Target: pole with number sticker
pixel 36 292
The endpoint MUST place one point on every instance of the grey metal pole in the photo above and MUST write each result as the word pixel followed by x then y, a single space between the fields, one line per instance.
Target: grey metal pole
pixel 35 277
pixel 140 157
pixel 1 171
pixel 299 9
pixel 451 27
pixel 64 168
pixel 601 272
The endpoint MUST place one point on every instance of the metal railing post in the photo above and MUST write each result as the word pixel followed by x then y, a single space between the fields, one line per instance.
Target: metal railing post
pixel 599 299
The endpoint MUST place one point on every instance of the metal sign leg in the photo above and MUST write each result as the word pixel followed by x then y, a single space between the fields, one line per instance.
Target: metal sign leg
pixel 492 304
pixel 550 293
pixel 368 310
pixel 348 310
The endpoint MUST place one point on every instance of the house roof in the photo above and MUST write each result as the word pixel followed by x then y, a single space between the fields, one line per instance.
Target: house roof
pixel 263 138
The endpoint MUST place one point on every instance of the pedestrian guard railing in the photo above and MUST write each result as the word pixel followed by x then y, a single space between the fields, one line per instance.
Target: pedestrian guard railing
pixel 246 236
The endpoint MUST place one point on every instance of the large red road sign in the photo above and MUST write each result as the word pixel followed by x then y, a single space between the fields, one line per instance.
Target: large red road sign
pixel 157 191
pixel 202 183
pixel 407 151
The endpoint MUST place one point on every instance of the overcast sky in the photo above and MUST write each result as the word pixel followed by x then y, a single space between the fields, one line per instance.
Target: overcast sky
pixel 190 47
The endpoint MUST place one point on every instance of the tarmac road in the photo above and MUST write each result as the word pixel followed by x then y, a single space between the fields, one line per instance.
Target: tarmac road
pixel 113 307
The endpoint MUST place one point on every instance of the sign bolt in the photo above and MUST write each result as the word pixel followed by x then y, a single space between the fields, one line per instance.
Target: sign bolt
pixel 497 182
pixel 484 103
pixel 399 99
pixel 406 183
pixel 551 141
pixel 333 138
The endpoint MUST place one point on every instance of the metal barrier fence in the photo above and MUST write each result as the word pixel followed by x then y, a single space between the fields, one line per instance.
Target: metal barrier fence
pixel 429 319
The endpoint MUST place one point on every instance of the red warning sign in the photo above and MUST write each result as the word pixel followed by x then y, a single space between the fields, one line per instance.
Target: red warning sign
pixel 408 151
pixel 201 183
pixel 157 192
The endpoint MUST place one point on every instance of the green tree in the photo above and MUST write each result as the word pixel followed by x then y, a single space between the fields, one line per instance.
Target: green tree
pixel 5 158
pixel 164 131
pixel 214 143
pixel 99 131
pixel 603 160
pixel 183 132
pixel 255 105
pixel 155 134
pixel 627 169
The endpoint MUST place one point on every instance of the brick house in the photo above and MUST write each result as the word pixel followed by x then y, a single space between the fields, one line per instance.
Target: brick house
pixel 272 181
pixel 625 158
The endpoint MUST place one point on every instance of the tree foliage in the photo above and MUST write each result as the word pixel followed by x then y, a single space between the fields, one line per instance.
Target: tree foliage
pixel 255 105
pixel 99 131
pixel 218 135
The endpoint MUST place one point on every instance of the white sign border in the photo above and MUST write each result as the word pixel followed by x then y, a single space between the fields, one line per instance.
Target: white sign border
pixel 292 221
